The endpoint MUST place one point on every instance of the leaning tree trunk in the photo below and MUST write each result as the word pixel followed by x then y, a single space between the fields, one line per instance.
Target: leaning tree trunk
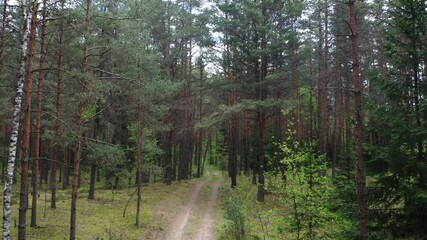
pixel 7 195
pixel 79 133
pixel 35 172
pixel 26 126
pixel 358 88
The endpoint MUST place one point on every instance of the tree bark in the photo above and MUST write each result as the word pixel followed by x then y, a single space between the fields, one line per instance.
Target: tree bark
pixel 57 124
pixel 77 151
pixel 7 194
pixel 26 127
pixel 138 169
pixel 323 83
pixel 232 132
pixel 262 95
pixel 37 132
pixel 358 89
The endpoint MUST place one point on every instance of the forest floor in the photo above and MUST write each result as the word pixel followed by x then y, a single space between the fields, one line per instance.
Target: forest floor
pixel 183 210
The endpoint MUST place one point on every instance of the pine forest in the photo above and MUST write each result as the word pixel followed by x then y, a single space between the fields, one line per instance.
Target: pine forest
pixel 213 119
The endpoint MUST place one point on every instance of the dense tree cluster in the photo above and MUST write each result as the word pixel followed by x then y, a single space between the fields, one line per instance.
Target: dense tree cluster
pixel 127 91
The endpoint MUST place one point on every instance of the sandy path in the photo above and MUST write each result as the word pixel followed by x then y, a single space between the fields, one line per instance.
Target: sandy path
pixel 176 230
pixel 207 227
pixel 195 219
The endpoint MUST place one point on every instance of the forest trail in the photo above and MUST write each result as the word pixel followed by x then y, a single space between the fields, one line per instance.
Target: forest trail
pixel 207 228
pixel 196 217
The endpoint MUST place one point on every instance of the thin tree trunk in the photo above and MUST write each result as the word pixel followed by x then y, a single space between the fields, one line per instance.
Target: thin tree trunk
pixel 138 169
pixel 93 171
pixel 323 84
pixel 358 89
pixel 35 172
pixel 139 157
pixel 65 177
pixel 77 151
pixel 232 134
pixel 262 119
pixel 2 33
pixel 26 127
pixel 94 165
pixel 57 125
pixel 167 146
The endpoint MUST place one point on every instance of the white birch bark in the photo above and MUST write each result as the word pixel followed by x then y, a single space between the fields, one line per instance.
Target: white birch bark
pixel 7 195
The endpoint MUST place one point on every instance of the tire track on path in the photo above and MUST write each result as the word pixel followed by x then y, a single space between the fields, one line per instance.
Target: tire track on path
pixel 176 231
pixel 207 225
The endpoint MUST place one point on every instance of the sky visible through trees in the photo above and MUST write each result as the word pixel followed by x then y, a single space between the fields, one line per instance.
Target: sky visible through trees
pixel 314 107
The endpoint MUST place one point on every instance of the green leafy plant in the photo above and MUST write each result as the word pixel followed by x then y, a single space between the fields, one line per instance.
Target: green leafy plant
pixel 307 191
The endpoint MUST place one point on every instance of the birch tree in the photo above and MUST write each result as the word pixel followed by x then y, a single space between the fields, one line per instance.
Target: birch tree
pixel 7 194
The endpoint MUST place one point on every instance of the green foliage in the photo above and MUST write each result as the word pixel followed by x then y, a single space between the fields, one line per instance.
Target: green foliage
pixel 234 213
pixel 111 159
pixel 307 191
pixel 150 146
pixel 238 209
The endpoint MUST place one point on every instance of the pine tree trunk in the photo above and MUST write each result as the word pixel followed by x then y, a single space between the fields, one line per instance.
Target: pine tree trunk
pixel 358 89
pixel 167 157
pixel 26 127
pixel 138 169
pixel 77 152
pixel 93 171
pixel 65 172
pixel 57 124
pixel 323 83
pixel 37 132
pixel 231 133
pixel 262 95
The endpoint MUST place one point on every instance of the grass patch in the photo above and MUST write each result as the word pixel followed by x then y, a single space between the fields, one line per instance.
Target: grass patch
pixel 102 218
pixel 242 217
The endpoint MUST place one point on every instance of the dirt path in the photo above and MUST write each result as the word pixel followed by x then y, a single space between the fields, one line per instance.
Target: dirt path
pixel 207 228
pixel 196 218
pixel 176 230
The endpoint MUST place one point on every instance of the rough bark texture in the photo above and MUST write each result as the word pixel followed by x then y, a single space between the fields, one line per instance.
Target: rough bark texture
pixel 358 89
pixel 77 151
pixel 26 127
pixel 35 171
pixel 57 125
